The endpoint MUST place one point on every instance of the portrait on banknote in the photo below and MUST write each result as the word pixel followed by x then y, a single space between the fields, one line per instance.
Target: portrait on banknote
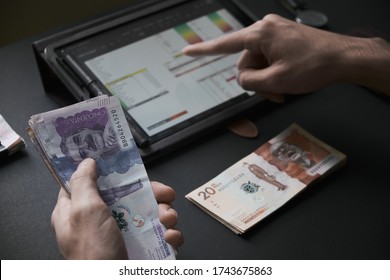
pixel 90 134
pixel 295 153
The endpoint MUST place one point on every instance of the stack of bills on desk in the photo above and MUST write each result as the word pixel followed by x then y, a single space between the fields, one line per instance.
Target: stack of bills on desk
pixel 10 141
pixel 260 183
pixel 98 129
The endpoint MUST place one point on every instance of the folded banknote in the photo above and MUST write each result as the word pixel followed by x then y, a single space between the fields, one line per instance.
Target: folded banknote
pixel 97 128
pixel 263 181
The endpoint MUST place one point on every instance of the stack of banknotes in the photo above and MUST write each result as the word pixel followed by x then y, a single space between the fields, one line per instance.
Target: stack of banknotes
pixel 263 181
pixel 97 128
pixel 10 141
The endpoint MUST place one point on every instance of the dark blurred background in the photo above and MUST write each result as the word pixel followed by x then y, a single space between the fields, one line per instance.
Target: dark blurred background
pixel 21 19
pixel 24 18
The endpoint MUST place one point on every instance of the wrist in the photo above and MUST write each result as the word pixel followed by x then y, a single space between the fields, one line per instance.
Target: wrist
pixel 366 62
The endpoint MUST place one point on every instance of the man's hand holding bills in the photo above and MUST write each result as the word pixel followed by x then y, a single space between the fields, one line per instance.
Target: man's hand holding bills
pixel 97 128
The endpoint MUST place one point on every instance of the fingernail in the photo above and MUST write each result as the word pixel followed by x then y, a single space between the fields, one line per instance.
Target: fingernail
pixel 238 78
pixel 172 210
pixel 184 50
pixel 86 162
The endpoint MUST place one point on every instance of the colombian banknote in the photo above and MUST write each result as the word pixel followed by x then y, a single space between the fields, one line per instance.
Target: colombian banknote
pixel 263 181
pixel 97 129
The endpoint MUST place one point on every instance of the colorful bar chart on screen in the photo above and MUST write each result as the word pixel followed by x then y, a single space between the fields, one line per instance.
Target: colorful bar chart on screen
pixel 221 85
pixel 143 85
pixel 220 22
pixel 188 34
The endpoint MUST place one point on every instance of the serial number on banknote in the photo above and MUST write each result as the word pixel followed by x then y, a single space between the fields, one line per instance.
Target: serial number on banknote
pixel 120 132
pixel 242 270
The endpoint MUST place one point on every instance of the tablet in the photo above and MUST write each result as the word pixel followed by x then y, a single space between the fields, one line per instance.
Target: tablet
pixel 169 98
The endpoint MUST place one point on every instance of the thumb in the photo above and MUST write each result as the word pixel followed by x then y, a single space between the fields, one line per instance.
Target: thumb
pixel 260 80
pixel 83 183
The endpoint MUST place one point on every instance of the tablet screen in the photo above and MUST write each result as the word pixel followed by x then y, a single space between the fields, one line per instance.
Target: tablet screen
pixel 162 90
pixel 159 86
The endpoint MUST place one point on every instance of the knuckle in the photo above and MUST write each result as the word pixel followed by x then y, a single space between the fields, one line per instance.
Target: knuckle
pixel 270 22
pixel 253 35
pixel 271 17
pixel 80 211
pixel 168 216
pixel 75 178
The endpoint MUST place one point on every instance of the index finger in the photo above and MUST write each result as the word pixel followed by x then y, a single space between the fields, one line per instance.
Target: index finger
pixel 59 211
pixel 163 193
pixel 230 43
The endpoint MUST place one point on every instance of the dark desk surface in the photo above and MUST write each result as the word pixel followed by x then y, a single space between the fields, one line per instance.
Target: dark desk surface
pixel 345 216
